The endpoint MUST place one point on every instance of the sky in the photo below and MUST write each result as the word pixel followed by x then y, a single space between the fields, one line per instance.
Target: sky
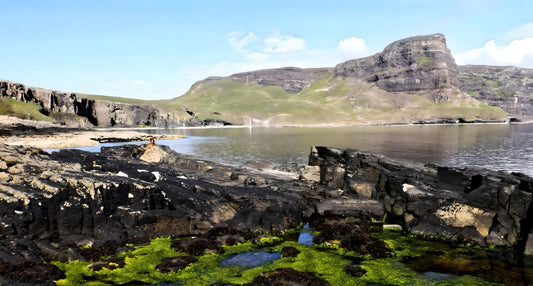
pixel 157 49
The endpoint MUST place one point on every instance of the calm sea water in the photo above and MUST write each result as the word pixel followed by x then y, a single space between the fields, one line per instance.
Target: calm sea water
pixel 506 147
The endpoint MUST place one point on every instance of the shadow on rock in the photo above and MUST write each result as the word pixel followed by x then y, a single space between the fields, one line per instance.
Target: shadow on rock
pixel 173 264
pixel 30 272
pixel 287 276
pixel 354 235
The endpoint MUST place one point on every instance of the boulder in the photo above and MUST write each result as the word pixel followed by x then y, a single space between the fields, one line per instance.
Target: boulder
pixel 173 264
pixel 287 276
pixel 351 207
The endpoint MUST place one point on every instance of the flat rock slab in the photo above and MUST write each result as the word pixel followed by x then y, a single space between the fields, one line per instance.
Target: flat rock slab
pixel 351 207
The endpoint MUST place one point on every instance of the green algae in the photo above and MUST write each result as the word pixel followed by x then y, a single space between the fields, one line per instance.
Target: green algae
pixel 326 261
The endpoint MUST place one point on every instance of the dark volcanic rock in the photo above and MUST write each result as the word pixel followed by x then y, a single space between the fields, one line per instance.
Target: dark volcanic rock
pixel 286 277
pixel 353 236
pixel 173 264
pixel 79 205
pixel 56 204
pixel 475 205
pixel 111 263
pixel 197 246
pixel 355 271
pixel 29 272
pixel 289 251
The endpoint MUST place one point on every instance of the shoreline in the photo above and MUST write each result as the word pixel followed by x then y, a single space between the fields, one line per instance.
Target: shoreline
pixel 47 135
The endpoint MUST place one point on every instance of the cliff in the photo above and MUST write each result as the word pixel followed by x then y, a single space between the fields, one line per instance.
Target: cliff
pixel 291 79
pixel 75 110
pixel 413 80
pixel 421 63
pixel 510 88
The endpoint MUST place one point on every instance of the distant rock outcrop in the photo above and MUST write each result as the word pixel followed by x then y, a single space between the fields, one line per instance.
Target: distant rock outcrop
pixel 291 79
pixel 510 88
pixel 75 110
pixel 421 63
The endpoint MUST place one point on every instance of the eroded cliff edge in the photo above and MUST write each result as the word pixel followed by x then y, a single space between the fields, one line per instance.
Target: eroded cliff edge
pixel 76 110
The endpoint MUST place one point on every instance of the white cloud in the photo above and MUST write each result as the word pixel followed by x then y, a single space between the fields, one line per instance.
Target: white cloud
pixel 140 82
pixel 517 53
pixel 257 57
pixel 276 51
pixel 284 44
pixel 239 43
pixel 522 31
pixel 352 48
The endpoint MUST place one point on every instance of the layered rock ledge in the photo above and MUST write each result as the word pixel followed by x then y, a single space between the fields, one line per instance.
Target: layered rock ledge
pixel 477 206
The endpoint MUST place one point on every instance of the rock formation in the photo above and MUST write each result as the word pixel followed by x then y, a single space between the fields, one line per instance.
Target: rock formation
pixel 421 63
pixel 54 204
pixel 80 205
pixel 474 205
pixel 78 111
pixel 291 79
pixel 507 87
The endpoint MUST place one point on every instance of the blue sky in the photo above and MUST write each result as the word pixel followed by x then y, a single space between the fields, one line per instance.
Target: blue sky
pixel 157 49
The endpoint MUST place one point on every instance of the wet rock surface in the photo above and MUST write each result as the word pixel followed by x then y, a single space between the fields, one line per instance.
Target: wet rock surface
pixel 29 272
pixel 79 205
pixel 472 205
pixel 76 205
pixel 289 251
pixel 111 263
pixel 173 264
pixel 286 277
pixel 350 235
pixel 355 271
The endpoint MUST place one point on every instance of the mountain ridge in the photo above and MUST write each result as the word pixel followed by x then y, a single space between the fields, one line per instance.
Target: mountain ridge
pixel 413 80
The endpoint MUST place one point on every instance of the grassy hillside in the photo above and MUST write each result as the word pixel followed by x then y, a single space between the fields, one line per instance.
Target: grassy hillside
pixel 117 99
pixel 23 110
pixel 328 101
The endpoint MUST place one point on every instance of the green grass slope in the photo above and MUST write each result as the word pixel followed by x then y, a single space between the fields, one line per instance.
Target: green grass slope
pixel 329 101
pixel 23 110
pixel 117 99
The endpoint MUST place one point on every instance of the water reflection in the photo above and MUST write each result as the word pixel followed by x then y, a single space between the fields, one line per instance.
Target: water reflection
pixel 306 237
pixel 494 146
pixel 250 259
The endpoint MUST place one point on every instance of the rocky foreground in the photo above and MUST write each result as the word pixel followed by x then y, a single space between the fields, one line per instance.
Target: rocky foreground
pixel 76 205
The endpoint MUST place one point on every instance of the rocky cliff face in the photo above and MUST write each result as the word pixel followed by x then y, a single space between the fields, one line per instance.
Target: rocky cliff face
pixel 421 63
pixel 291 79
pixel 510 88
pixel 89 112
